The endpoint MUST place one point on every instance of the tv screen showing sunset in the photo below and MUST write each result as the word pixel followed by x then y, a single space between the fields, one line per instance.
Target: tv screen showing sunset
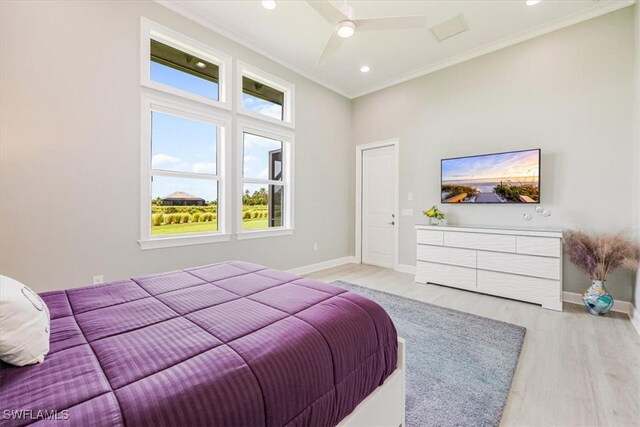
pixel 492 178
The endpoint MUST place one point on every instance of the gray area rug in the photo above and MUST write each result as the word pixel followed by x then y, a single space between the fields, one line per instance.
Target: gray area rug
pixel 459 365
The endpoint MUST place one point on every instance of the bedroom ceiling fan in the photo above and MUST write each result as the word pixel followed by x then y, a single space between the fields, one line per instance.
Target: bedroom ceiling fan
pixel 346 26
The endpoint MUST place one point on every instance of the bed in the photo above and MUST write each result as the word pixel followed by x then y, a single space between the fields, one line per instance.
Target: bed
pixel 229 344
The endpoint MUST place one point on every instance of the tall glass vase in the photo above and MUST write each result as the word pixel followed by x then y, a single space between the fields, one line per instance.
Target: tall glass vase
pixel 597 299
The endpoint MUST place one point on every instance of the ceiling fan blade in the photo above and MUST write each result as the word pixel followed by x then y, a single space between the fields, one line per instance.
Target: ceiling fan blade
pixel 395 23
pixel 332 45
pixel 327 11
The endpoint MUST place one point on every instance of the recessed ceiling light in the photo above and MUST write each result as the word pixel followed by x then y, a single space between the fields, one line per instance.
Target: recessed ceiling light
pixel 533 2
pixel 269 4
pixel 365 69
pixel 346 29
pixel 201 64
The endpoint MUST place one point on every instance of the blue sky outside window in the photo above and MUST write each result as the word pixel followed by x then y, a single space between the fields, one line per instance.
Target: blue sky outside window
pixel 180 80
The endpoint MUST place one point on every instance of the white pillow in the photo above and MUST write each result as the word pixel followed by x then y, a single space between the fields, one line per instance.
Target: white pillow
pixel 24 324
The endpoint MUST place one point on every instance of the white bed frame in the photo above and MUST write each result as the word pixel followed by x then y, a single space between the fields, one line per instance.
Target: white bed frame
pixel 385 406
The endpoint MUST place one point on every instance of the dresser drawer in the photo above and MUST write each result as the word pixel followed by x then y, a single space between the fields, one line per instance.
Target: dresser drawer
pixel 444 255
pixel 524 288
pixel 544 246
pixel 430 237
pixel 528 265
pixel 482 241
pixel 448 275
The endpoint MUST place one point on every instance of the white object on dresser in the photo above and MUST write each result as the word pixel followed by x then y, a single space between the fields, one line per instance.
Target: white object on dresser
pixel 520 264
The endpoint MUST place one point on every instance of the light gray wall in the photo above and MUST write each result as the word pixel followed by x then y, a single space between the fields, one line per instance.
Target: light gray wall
pixel 70 135
pixel 636 299
pixel 567 92
pixel 70 150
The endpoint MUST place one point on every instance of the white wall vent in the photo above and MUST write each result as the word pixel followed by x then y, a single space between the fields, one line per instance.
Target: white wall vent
pixel 449 28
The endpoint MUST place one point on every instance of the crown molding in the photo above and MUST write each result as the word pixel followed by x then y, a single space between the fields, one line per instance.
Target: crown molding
pixel 599 9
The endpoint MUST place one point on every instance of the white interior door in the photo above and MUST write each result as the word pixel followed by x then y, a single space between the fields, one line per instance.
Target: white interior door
pixel 379 217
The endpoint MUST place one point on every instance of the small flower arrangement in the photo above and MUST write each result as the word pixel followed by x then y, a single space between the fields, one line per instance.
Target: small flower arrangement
pixel 434 214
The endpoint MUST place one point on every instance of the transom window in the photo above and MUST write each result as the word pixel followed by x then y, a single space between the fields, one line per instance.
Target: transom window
pixel 178 65
pixel 184 71
pixel 265 97
pixel 262 99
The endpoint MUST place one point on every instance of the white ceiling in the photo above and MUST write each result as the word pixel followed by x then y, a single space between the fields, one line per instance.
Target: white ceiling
pixel 294 35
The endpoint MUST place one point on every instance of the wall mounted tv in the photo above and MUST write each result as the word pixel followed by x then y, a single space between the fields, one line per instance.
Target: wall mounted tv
pixel 512 177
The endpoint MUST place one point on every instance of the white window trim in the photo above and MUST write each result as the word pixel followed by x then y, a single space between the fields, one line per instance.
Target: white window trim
pixel 288 139
pixel 185 109
pixel 151 30
pixel 284 86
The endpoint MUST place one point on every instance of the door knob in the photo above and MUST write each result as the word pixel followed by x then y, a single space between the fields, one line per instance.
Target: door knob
pixel 392 223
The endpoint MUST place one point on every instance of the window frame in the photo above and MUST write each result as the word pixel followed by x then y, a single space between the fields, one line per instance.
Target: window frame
pixel 287 88
pixel 288 139
pixel 151 30
pixel 150 103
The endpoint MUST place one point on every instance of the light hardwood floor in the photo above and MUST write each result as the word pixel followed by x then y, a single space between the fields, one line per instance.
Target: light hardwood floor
pixel 575 369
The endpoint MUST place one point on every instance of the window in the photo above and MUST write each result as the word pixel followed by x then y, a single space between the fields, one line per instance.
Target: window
pixel 192 191
pixel 178 65
pixel 265 97
pixel 183 174
pixel 186 72
pixel 184 184
pixel 266 206
pixel 262 99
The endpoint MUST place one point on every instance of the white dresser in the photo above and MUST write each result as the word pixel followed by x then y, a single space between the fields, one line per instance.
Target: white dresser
pixel 520 264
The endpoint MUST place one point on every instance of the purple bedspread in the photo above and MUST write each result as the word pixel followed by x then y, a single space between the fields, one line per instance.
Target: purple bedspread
pixel 230 344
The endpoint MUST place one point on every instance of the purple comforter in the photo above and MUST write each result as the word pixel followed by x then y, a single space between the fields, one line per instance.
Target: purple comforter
pixel 230 344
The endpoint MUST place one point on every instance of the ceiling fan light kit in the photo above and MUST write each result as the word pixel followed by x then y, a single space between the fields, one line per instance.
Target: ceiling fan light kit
pixel 346 29
pixel 269 4
pixel 345 25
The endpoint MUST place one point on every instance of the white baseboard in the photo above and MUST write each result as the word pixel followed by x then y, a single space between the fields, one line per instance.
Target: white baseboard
pixel 306 269
pixel 406 268
pixel 619 306
pixel 634 314
pixel 575 298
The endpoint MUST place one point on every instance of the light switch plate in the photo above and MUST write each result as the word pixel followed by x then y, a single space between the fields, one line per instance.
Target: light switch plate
pixel 410 197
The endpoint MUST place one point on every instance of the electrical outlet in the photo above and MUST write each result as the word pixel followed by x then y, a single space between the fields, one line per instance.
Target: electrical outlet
pixel 98 279
pixel 315 246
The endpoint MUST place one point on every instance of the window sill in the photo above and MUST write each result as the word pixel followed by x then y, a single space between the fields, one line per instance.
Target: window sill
pixel 245 235
pixel 168 242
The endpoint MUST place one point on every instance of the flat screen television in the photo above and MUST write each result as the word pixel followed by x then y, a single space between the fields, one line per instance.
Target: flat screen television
pixel 512 177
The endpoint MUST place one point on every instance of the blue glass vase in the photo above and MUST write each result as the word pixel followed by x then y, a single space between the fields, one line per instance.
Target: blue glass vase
pixel 597 299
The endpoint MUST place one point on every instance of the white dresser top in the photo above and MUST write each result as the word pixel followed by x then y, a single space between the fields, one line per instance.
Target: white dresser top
pixel 539 232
